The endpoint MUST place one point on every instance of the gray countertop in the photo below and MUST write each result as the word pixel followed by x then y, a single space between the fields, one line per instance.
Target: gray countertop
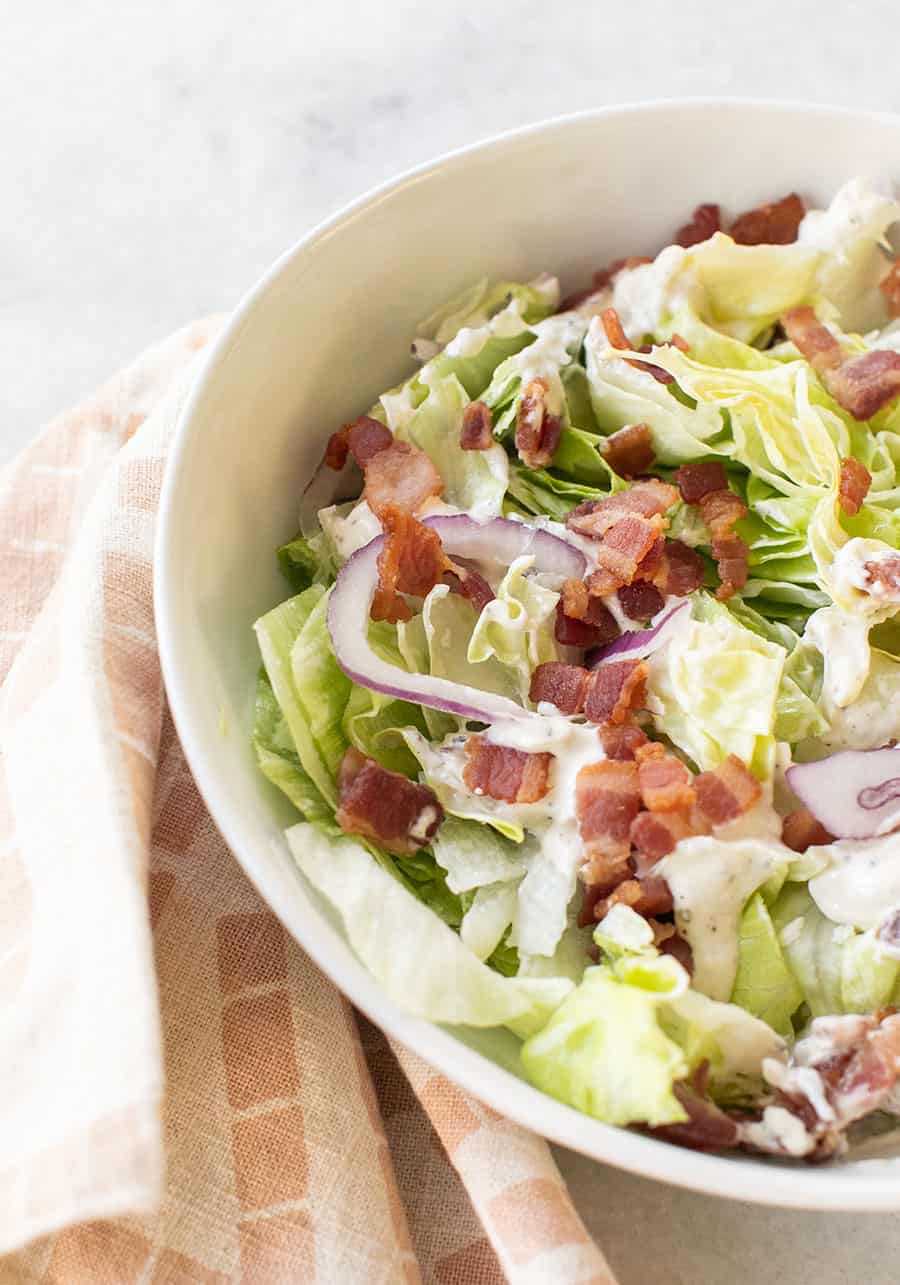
pixel 157 157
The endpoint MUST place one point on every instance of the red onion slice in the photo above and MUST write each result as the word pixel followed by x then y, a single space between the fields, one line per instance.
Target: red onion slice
pixel 855 794
pixel 500 540
pixel 638 643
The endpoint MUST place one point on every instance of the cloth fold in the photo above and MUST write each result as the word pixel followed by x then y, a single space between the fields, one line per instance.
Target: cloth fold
pixel 184 1097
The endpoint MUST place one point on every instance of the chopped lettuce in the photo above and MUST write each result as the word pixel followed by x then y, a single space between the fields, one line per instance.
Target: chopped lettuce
pixel 764 984
pixel 474 855
pixel 279 761
pixel 306 561
pixel 516 626
pixel 474 307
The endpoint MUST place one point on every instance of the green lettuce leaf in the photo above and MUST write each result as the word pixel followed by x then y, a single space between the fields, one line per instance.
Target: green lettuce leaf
pixel 516 626
pixel 474 855
pixel 474 307
pixel 279 761
pixel 306 561
pixel 764 984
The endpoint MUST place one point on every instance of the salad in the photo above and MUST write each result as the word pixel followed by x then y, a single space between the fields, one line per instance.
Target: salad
pixel 588 692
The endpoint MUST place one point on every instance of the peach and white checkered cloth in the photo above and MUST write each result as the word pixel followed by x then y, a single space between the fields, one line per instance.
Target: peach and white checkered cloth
pixel 183 1096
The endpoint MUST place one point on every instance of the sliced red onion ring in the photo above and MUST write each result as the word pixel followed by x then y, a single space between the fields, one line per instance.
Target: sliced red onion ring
pixel 638 643
pixel 348 612
pixel 855 794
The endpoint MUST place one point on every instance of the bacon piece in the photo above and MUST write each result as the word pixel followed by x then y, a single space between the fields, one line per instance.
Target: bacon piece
pixel 645 499
pixel 800 830
pixel 726 792
pixel 564 686
pixel 600 627
pixel 621 741
pixel 607 799
pixel 604 276
pixel 865 385
pixel 883 576
pixel 614 689
pixel 681 570
pixel 646 897
pixel 702 224
pixel 362 439
pixel 666 784
pixel 655 834
pixel 513 776
pixel 707 1127
pixel 721 510
pixel 679 949
pixel 412 561
pixel 629 451
pixel 625 545
pixel 477 433
pixel 652 561
pixel 814 341
pixel 774 224
pixel 385 806
pixel 640 600
pixel 469 584
pixel 612 324
pixel 602 583
pixel 890 288
pixel 400 477
pixel 696 480
pixel 537 431
pixel 853 486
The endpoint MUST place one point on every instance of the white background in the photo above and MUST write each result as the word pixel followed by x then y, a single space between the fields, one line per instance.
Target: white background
pixel 155 158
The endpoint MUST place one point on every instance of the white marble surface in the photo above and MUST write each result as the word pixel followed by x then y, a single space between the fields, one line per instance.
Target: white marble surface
pixel 156 157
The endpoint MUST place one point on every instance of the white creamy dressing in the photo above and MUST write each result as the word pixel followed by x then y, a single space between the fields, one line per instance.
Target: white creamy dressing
pixel 399 408
pixel 711 879
pixel 349 527
pixel 843 639
pixel 550 351
pixel 549 885
pixel 744 1041
pixel 778 1131
pixel 873 719
pixel 850 577
pixel 646 295
pixel 861 884
pixel 505 324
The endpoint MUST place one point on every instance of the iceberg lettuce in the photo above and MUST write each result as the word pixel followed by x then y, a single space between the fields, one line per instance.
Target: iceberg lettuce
pixel 764 985
pixel 516 627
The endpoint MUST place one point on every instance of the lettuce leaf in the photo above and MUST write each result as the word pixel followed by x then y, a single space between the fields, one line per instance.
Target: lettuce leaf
pixel 764 984
pixel 306 561
pixel 474 855
pixel 279 761
pixel 474 306
pixel 516 626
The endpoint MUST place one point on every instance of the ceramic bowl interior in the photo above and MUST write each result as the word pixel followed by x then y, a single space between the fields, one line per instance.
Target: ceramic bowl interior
pixel 313 344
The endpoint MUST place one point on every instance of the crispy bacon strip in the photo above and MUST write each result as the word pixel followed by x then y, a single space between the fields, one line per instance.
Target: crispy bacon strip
pixel 721 510
pixel 513 776
pixel 655 834
pixel 622 740
pixel 624 547
pixel 401 476
pixel 774 224
pixel 666 784
pixel 607 799
pixel 680 571
pixel 537 431
pixel 629 451
pixel 477 433
pixel 615 333
pixel 702 224
pixel 564 686
pixel 883 576
pixel 469 584
pixel 865 385
pixel 800 830
pixel 814 341
pixel 362 439
pixel 412 561
pixel 640 600
pixel 614 690
pixel 646 897
pixel 694 481
pixel 727 792
pixel 384 806
pixel 853 486
pixel 890 288
pixel 600 627
pixel 645 499
pixel 707 1127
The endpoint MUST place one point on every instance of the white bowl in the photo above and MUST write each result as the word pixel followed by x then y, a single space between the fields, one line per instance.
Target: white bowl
pixel 326 330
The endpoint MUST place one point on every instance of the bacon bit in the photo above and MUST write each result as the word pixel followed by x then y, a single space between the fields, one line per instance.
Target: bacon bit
pixel 615 333
pixel 707 1127
pixel 384 806
pixel 652 561
pixel 679 342
pixel 696 480
pixel 602 583
pixel 883 576
pixel 890 288
pixel 853 487
pixel 681 570
pixel 645 499
pixel 666 784
pixel 640 600
pixel 607 799
pixel 537 431
pixel 703 223
pixel 470 585
pixel 604 276
pixel 363 438
pixel 814 341
pixel 679 949
pixel 655 834
pixel 625 545
pixel 721 510
pixel 646 897
pixel 800 830
pixel 599 628
pixel 564 686
pixel 412 561
pixel 614 689
pixel 401 477
pixel 866 384
pixel 727 792
pixel 622 741
pixel 629 451
pixel 513 776
pixel 477 433
pixel 774 224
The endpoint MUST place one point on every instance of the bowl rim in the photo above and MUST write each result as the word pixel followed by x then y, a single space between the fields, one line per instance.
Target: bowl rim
pixel 763 1182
